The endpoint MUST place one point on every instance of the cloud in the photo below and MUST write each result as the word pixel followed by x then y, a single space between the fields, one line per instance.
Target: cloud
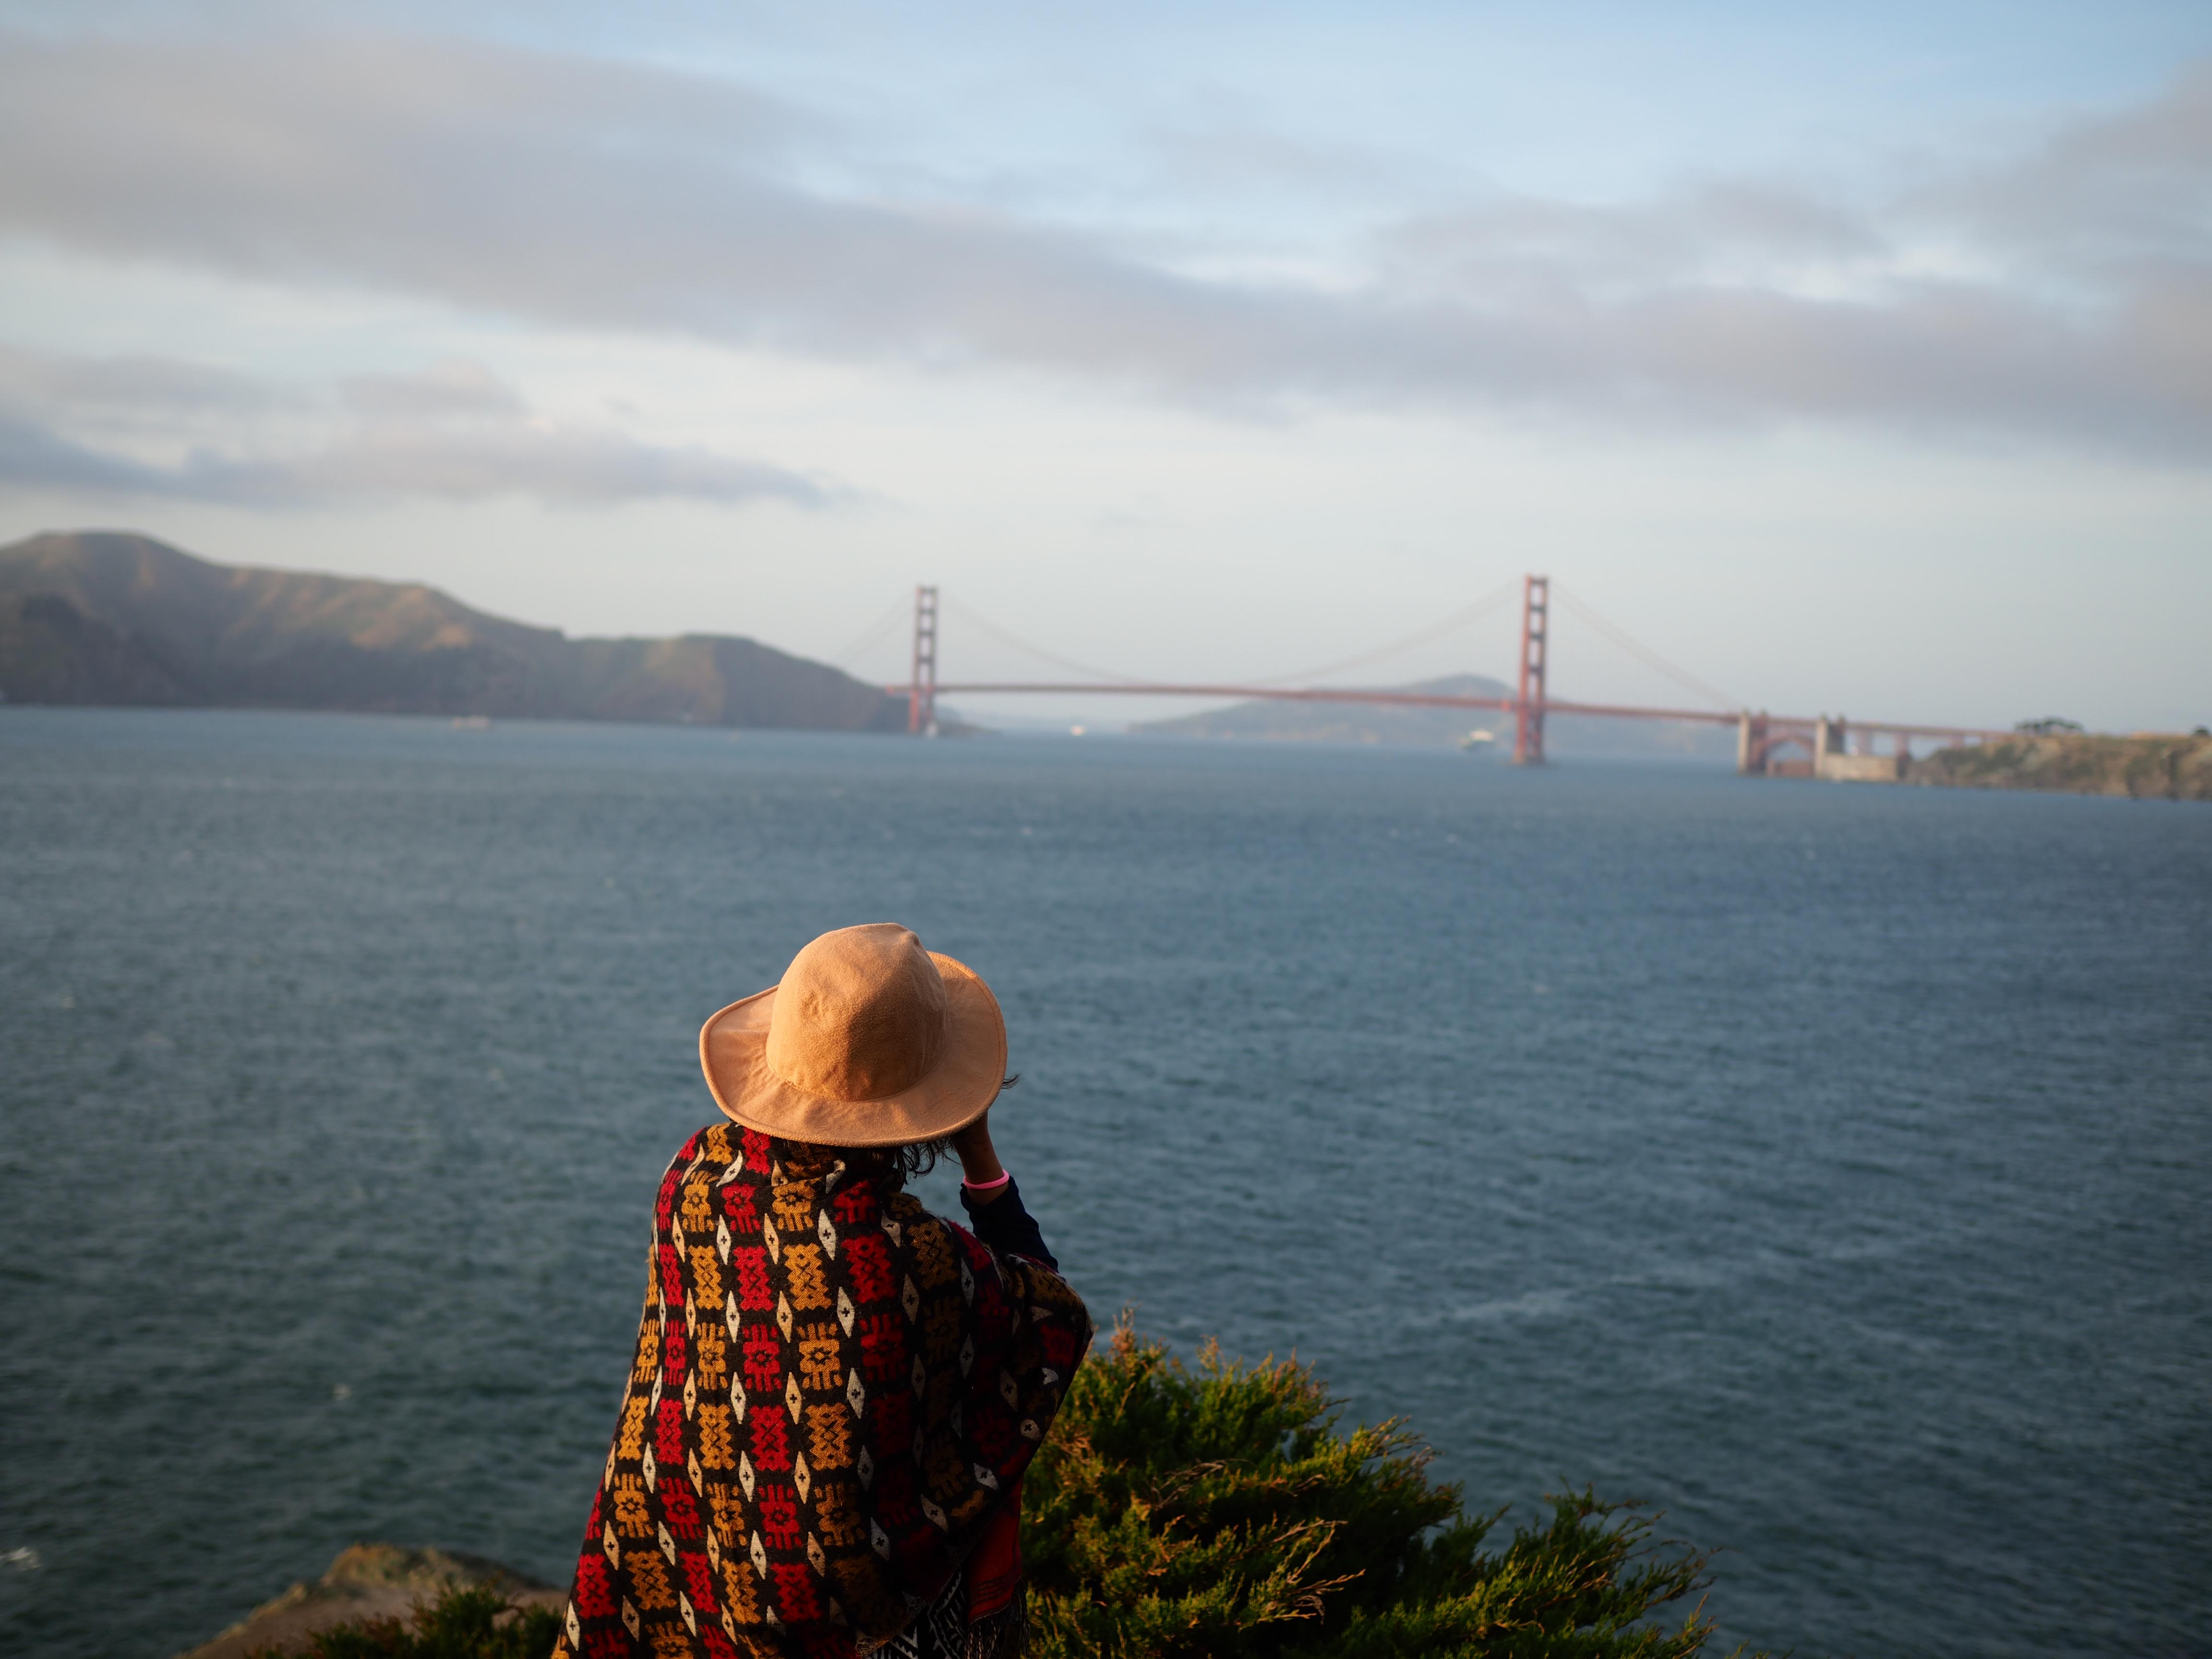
pixel 458 386
pixel 2066 295
pixel 453 432
pixel 134 386
pixel 29 453
pixel 2104 197
pixel 566 465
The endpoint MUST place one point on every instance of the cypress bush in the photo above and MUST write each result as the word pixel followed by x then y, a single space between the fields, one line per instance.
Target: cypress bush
pixel 1220 1511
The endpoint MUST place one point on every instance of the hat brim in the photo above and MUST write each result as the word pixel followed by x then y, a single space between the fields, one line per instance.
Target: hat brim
pixel 951 1095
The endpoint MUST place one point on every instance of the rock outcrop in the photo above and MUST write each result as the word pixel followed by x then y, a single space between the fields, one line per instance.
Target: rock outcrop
pixel 368 1580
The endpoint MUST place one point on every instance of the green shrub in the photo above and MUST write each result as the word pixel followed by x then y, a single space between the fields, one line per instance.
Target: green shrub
pixel 1219 1512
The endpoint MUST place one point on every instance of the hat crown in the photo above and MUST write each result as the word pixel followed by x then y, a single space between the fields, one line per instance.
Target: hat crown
pixel 860 1015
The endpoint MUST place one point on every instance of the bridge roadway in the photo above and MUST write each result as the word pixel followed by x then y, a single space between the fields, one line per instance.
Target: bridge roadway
pixel 1831 750
pixel 1778 723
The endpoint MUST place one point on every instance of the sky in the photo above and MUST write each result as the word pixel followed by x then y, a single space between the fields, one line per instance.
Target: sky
pixel 1853 360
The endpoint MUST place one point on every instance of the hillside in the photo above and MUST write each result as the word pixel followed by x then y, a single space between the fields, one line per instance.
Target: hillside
pixel 117 618
pixel 2150 768
pixel 1364 722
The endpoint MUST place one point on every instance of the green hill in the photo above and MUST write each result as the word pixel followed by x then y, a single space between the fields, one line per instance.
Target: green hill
pixel 117 618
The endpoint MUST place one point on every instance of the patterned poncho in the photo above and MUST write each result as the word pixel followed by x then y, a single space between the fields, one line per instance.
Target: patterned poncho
pixel 834 1393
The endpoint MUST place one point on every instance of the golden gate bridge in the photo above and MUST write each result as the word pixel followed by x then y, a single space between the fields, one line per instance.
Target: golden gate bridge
pixel 1829 746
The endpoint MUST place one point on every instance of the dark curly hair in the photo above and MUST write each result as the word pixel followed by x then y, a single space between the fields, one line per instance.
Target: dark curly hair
pixel 890 1167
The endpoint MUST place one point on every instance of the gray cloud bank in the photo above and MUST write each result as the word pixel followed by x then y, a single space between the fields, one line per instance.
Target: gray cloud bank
pixel 2065 295
pixel 453 432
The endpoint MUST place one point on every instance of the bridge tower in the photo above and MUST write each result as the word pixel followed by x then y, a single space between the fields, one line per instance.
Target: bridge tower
pixel 1751 744
pixel 921 685
pixel 1528 706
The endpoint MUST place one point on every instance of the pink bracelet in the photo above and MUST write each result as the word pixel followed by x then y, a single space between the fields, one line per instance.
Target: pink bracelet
pixel 1005 1175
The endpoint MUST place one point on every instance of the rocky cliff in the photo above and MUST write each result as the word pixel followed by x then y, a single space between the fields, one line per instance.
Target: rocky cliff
pixel 100 617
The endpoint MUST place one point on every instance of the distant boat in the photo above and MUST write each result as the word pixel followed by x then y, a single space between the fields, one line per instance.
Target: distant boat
pixel 1478 738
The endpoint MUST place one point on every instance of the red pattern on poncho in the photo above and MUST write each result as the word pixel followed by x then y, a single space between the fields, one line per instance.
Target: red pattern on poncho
pixel 834 1396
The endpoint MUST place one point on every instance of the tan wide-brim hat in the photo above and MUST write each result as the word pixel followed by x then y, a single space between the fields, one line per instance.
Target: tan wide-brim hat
pixel 868 1041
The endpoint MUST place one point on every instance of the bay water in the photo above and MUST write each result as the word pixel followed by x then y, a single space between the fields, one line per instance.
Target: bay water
pixel 1825 1165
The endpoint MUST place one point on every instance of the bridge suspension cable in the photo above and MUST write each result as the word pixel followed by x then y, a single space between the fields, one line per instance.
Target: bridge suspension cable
pixel 1760 732
pixel 895 614
pixel 1620 637
pixel 1436 630
pixel 1004 637
pixel 1422 635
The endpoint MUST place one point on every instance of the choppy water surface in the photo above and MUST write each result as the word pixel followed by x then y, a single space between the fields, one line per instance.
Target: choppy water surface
pixel 1827 1165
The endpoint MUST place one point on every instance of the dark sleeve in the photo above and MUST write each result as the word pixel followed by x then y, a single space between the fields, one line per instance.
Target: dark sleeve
pixel 1004 1225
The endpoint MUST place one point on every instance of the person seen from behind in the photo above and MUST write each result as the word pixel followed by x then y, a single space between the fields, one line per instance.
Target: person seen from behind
pixel 834 1393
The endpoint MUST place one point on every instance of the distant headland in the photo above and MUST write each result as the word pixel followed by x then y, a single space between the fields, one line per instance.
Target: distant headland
pixel 106 617
pixel 2150 765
